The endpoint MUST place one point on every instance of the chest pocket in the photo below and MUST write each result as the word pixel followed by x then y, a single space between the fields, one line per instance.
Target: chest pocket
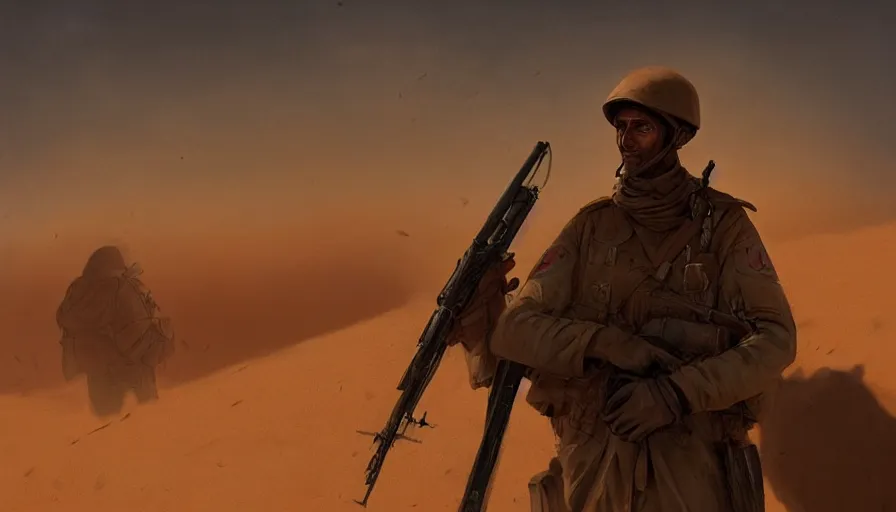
pixel 699 279
pixel 606 256
pixel 696 272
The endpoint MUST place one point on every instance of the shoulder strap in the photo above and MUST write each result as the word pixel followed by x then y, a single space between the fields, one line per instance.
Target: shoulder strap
pixel 722 199
pixel 676 242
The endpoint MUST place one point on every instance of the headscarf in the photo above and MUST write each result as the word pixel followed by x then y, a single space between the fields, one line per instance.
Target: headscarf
pixel 89 300
pixel 660 203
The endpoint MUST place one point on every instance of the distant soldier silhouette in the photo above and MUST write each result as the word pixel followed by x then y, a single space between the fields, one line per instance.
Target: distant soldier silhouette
pixel 111 332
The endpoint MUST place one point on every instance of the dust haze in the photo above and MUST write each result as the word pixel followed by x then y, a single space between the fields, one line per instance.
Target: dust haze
pixel 297 207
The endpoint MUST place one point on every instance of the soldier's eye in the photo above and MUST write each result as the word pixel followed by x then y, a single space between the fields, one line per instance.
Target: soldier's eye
pixel 644 128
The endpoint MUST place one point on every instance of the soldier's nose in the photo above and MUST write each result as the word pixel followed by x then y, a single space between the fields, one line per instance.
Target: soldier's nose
pixel 628 143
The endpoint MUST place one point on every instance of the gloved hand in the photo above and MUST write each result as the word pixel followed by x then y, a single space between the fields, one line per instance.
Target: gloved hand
pixel 476 322
pixel 639 407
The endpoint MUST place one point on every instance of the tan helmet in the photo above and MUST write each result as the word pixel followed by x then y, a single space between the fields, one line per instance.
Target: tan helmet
pixel 660 89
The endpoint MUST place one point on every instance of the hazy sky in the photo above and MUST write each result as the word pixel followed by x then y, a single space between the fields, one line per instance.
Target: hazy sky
pixel 271 103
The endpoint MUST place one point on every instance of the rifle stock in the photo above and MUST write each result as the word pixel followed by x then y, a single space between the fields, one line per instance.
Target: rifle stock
pixel 488 248
pixel 501 396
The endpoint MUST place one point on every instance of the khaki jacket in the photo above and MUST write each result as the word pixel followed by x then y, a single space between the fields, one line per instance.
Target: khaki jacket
pixel 604 279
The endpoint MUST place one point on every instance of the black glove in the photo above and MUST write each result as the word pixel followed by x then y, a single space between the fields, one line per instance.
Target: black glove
pixel 639 407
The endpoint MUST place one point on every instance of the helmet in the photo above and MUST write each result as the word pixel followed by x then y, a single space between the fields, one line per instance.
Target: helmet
pixel 107 260
pixel 659 89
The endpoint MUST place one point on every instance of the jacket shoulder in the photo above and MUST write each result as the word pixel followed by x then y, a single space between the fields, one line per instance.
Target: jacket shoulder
pixel 593 206
pixel 720 199
pixel 600 218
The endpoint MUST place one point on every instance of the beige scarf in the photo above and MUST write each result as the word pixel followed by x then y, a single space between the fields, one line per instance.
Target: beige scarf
pixel 659 204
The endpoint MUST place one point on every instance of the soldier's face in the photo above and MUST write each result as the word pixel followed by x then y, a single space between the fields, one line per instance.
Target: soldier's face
pixel 639 136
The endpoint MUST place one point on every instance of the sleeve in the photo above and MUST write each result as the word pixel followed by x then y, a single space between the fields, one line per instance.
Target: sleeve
pixel 533 331
pixel 481 365
pixel 753 365
pixel 476 324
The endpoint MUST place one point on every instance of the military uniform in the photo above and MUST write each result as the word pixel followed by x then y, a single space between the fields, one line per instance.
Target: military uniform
pixel 609 288
pixel 111 332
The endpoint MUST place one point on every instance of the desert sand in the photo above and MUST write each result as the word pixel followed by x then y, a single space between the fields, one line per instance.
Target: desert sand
pixel 280 363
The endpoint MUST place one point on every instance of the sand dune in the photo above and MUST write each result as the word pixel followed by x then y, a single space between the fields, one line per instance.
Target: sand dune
pixel 227 305
pixel 278 433
pixel 271 425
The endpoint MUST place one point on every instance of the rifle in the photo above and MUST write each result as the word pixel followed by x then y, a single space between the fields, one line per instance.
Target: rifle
pixel 488 248
pixel 501 396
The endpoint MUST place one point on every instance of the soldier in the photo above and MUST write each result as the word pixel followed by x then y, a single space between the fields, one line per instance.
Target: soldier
pixel 111 333
pixel 653 327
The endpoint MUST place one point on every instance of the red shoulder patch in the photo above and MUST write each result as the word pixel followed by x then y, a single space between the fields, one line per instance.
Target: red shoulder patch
pixel 552 255
pixel 759 261
pixel 758 258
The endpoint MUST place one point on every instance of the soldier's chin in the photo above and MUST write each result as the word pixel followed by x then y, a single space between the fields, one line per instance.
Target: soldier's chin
pixel 631 165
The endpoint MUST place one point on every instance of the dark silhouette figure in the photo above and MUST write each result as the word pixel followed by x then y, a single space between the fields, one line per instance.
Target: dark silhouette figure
pixel 829 446
pixel 111 333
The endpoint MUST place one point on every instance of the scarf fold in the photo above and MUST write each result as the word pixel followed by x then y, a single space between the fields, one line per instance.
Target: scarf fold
pixel 659 204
